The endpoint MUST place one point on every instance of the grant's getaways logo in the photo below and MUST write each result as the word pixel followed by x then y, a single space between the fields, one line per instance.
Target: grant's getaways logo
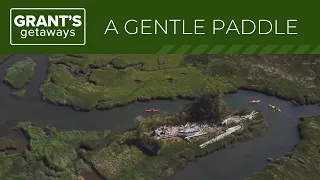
pixel 47 26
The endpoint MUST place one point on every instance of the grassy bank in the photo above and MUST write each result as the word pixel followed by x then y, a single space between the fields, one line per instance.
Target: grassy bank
pixel 6 144
pixel 120 160
pixel 20 73
pixel 303 162
pixel 104 81
pixel 51 154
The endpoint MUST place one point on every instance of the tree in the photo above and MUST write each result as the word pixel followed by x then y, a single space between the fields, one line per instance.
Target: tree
pixel 209 107
pixel 202 109
pixel 221 110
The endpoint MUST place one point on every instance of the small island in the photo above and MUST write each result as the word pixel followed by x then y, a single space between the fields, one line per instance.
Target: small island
pixel 155 148
pixel 20 73
pixel 19 93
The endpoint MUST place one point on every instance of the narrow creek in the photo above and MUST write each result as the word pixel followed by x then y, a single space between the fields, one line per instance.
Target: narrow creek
pixel 234 162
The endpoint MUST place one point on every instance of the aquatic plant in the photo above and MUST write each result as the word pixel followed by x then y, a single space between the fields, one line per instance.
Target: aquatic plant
pixel 20 93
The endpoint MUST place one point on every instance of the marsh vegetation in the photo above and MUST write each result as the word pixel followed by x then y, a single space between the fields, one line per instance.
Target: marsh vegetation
pixel 50 154
pixel 104 81
pixel 20 73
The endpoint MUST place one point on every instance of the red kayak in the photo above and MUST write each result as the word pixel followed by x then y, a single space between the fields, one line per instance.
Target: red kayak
pixel 152 110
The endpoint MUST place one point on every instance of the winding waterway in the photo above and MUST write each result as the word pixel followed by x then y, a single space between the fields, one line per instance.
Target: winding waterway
pixel 233 163
pixel 32 108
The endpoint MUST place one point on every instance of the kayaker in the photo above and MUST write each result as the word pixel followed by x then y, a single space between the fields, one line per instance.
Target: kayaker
pixel 254 101
pixel 152 110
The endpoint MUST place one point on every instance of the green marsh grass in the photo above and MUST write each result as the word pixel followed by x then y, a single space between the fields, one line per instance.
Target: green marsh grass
pixel 20 73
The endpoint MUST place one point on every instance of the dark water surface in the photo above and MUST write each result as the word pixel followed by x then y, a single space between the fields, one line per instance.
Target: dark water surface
pixel 233 163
